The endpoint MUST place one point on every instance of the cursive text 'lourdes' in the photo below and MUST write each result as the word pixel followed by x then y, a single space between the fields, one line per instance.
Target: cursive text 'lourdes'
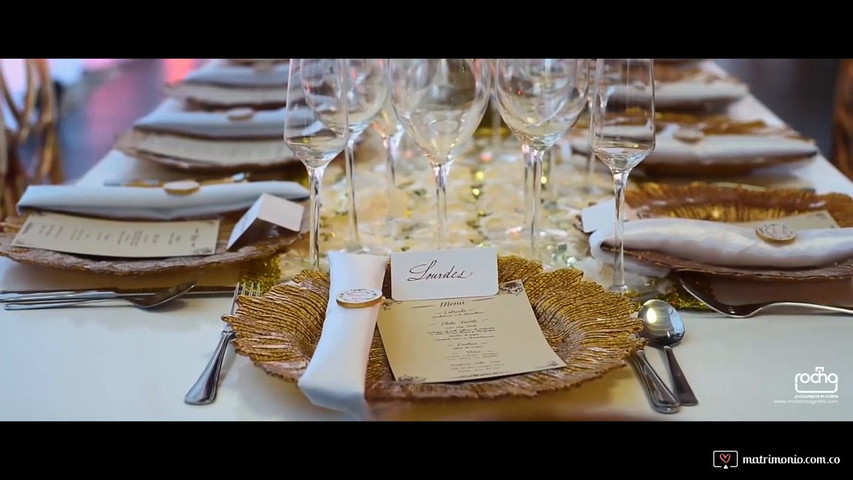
pixel 424 271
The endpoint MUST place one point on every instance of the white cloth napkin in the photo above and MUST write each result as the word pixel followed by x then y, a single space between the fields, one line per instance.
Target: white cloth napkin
pixel 153 202
pixel 724 244
pixel 220 72
pixel 335 376
pixel 719 149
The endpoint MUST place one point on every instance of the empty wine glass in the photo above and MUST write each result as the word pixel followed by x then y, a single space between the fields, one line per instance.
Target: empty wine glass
pixel 440 103
pixel 622 132
pixel 391 130
pixel 540 100
pixel 316 125
pixel 368 88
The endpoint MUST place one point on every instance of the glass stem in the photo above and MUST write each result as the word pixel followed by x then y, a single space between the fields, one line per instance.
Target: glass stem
pixel 590 173
pixel 496 123
pixel 441 172
pixel 392 145
pixel 536 200
pixel 550 187
pixel 620 181
pixel 354 241
pixel 527 154
pixel 315 176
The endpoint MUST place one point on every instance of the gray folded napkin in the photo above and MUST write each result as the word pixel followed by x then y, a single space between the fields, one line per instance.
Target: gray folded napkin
pixel 221 72
pixel 154 203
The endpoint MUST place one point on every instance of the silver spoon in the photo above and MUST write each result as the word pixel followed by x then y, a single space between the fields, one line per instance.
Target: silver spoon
pixel 146 300
pixel 662 327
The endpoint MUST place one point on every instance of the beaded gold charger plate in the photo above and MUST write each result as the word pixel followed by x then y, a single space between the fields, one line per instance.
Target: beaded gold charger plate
pixel 591 329
pixel 270 242
pixel 703 201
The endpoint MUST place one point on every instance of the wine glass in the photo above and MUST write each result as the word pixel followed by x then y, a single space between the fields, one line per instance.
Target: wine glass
pixel 316 125
pixel 368 88
pixel 440 103
pixel 391 130
pixel 622 132
pixel 540 100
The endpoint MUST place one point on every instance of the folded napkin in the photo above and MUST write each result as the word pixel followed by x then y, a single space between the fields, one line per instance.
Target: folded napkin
pixel 674 94
pixel 719 148
pixel 221 72
pixel 154 203
pixel 335 376
pixel 217 96
pixel 724 244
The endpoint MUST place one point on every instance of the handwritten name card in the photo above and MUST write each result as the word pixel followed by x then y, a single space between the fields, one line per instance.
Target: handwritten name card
pixel 434 274
pixel 117 238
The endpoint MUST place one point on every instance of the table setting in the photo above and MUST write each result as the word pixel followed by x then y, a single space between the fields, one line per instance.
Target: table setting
pixel 338 239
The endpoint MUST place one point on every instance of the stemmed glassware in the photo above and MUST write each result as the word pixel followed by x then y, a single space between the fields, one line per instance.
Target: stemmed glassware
pixel 391 130
pixel 368 88
pixel 540 100
pixel 591 189
pixel 440 103
pixel 316 125
pixel 622 132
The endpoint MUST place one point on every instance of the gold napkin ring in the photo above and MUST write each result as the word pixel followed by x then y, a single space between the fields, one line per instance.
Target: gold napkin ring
pixel 775 233
pixel 181 187
pixel 359 298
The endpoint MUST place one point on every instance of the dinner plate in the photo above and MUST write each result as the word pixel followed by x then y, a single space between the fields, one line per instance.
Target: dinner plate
pixel 703 201
pixel 273 241
pixel 591 329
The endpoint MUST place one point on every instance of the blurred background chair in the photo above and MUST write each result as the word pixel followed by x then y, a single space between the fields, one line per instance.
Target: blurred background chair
pixel 29 146
pixel 842 119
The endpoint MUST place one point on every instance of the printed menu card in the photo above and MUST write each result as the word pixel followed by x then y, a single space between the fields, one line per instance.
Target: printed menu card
pixel 450 340
pixel 117 238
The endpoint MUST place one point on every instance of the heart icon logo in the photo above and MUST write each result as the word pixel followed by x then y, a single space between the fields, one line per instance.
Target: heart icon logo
pixel 725 457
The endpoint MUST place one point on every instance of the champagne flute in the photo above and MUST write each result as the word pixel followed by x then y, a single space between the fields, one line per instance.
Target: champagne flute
pixel 540 100
pixel 622 132
pixel 591 189
pixel 440 103
pixel 368 88
pixel 316 126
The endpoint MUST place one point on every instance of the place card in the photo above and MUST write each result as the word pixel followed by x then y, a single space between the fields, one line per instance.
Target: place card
pixel 603 215
pixel 270 209
pixel 117 238
pixel 464 338
pixel 434 274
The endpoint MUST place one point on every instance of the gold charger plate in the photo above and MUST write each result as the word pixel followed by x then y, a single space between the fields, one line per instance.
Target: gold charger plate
pixel 273 241
pixel 702 201
pixel 130 143
pixel 591 329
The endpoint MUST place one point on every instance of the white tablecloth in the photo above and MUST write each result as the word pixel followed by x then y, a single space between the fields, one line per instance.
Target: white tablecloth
pixel 128 364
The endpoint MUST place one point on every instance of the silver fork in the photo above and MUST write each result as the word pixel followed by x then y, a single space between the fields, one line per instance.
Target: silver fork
pixel 749 309
pixel 205 388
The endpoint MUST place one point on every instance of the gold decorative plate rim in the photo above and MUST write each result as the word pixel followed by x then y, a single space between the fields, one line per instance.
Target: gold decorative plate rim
pixel 699 200
pixel 593 330
pixel 276 241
